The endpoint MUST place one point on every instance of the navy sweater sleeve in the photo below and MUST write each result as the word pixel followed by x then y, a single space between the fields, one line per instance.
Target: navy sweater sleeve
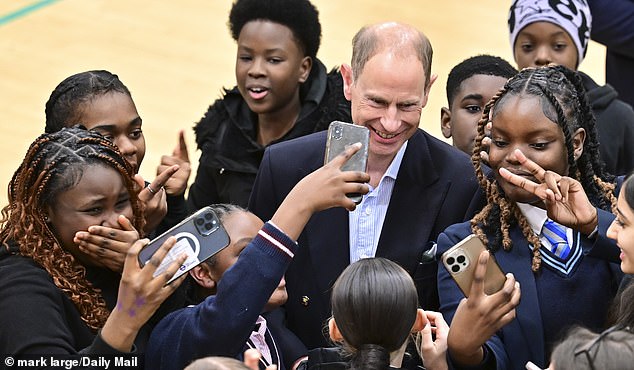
pixel 221 325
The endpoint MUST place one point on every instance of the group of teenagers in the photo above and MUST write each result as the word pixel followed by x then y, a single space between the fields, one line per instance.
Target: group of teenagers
pixel 310 279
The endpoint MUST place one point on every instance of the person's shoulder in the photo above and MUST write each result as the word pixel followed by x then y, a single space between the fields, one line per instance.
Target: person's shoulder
pixel 16 266
pixel 453 234
pixel 439 151
pixel 24 282
pixel 301 144
pixel 217 114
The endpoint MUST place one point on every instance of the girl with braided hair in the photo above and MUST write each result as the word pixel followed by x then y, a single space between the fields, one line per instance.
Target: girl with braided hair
pixel 54 299
pixel 99 101
pixel 547 195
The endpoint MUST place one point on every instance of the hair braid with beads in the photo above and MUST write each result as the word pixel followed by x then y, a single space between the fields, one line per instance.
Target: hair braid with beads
pixel 53 164
pixel 563 101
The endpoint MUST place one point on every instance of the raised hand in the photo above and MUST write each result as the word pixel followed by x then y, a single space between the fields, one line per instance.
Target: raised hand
pixel 154 197
pixel 252 359
pixel 107 247
pixel 140 294
pixel 480 316
pixel 565 199
pixel 177 184
pixel 433 352
pixel 324 188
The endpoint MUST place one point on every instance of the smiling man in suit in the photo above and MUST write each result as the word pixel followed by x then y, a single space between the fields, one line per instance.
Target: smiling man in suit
pixel 418 184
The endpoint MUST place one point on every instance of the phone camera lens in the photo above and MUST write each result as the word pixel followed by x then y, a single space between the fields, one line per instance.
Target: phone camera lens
pixel 200 221
pixel 451 261
pixel 461 259
pixel 208 216
pixel 455 268
pixel 209 226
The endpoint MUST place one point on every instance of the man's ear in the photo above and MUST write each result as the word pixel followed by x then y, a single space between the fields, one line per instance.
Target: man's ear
pixel 578 139
pixel 420 322
pixel 445 122
pixel 333 330
pixel 203 276
pixel 304 69
pixel 432 79
pixel 348 80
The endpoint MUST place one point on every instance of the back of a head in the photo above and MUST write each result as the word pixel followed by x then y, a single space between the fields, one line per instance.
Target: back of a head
pixel 374 304
pixel 478 65
pixel 217 363
pixel 300 16
pixel 63 107
pixel 399 39
pixel 585 350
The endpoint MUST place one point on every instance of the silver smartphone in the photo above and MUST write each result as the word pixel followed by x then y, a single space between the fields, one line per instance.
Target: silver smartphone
pixel 200 236
pixel 342 134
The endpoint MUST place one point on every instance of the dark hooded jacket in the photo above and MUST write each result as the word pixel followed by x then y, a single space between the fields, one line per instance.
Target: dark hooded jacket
pixel 615 125
pixel 227 137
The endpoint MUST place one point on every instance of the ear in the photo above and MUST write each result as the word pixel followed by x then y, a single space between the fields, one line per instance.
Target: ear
pixel 304 69
pixel 333 330
pixel 348 80
pixel 578 139
pixel 445 122
pixel 203 276
pixel 432 79
pixel 421 321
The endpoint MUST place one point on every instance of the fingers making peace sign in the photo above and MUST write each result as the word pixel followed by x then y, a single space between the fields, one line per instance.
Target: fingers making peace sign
pixel 565 199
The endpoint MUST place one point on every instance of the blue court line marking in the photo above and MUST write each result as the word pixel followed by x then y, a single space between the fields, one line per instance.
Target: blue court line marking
pixel 25 11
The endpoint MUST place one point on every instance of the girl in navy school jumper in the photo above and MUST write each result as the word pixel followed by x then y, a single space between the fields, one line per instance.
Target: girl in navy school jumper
pixel 542 115
pixel 223 323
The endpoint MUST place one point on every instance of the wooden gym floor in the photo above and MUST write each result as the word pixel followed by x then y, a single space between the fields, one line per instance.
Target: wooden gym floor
pixel 175 56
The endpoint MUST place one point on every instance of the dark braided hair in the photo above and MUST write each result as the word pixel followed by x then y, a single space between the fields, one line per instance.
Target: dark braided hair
pixel 53 164
pixel 563 101
pixel 300 16
pixel 63 108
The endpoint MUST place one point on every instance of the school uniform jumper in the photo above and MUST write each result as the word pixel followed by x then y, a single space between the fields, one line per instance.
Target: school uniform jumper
pixel 549 304
pixel 222 324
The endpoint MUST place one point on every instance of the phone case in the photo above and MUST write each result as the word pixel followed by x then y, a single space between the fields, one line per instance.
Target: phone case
pixel 461 260
pixel 200 235
pixel 342 134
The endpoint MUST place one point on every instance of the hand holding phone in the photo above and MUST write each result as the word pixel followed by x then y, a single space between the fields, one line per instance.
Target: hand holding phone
pixel 340 136
pixel 200 236
pixel 461 261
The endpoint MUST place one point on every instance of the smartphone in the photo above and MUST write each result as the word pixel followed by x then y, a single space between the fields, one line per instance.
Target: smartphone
pixel 342 134
pixel 461 260
pixel 200 236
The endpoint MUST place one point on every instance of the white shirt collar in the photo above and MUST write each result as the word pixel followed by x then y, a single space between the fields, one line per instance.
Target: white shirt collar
pixel 534 215
pixel 392 170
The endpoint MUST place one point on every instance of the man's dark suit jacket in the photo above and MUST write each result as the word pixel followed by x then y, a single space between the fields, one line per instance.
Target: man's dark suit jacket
pixel 435 187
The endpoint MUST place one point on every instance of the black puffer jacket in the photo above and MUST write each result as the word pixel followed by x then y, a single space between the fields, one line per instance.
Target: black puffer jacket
pixel 615 125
